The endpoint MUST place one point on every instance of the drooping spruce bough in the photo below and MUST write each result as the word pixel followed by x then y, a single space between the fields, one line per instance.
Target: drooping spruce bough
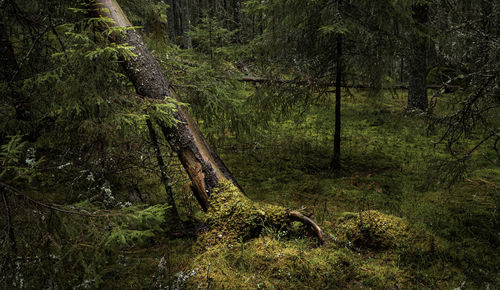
pixel 211 179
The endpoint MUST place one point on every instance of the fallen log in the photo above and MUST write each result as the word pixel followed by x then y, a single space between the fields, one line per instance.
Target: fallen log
pixel 252 79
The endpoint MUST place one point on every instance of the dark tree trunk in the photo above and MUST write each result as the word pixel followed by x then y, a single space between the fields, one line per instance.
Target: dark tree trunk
pixel 202 164
pixel 171 20
pixel 185 24
pixel 401 69
pixel 165 179
pixel 417 90
pixel 377 67
pixel 7 57
pixel 9 72
pixel 10 227
pixel 236 19
pixel 338 80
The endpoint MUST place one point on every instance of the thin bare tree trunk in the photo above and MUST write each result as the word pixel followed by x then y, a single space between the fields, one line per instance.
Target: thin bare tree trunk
pixel 417 85
pixel 165 179
pixel 185 25
pixel 7 58
pixel 10 227
pixel 171 20
pixel 336 138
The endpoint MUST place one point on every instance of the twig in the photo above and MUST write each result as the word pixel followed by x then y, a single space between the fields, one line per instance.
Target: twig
pixel 10 227
pixel 28 54
pixel 18 193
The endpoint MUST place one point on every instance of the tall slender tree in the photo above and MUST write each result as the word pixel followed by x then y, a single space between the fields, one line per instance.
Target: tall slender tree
pixel 185 23
pixel 338 81
pixel 171 20
pixel 165 179
pixel 7 58
pixel 417 87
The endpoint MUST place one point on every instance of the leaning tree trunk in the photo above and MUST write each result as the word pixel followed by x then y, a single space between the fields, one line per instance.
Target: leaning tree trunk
pixel 206 170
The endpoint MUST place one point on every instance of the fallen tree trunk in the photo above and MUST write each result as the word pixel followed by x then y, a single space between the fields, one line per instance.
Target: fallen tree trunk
pixel 206 170
pixel 252 79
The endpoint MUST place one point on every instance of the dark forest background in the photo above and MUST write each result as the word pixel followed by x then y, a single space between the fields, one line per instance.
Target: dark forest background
pixel 380 119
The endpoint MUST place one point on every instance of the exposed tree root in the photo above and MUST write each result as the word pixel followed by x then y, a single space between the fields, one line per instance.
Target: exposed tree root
pixel 297 216
pixel 232 216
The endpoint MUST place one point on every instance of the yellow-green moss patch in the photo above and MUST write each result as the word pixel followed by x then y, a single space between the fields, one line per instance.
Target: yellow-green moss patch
pixel 265 262
pixel 232 216
pixel 375 230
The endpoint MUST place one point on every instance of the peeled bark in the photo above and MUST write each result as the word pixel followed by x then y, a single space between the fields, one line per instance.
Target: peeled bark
pixel 204 167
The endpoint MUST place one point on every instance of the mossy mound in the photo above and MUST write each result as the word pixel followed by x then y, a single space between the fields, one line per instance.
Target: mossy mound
pixel 266 262
pixel 377 231
pixel 232 216
pixel 368 249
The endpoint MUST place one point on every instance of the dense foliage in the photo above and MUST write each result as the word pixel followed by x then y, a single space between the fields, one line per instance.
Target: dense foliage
pixel 413 204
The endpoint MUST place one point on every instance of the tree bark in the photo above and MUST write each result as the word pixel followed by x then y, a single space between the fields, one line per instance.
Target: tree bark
pixel 165 179
pixel 171 20
pixel 336 138
pixel 417 90
pixel 185 24
pixel 204 167
pixel 10 227
pixel 7 58
pixel 202 164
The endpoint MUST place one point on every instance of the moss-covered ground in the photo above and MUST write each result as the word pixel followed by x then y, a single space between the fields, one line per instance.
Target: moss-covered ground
pixel 389 221
pixel 392 223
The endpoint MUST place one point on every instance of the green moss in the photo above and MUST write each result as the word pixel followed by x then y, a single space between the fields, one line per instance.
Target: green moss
pixel 377 231
pixel 268 263
pixel 227 260
pixel 232 216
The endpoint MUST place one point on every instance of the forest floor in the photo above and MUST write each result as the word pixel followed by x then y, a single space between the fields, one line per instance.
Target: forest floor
pixel 390 221
pixel 389 218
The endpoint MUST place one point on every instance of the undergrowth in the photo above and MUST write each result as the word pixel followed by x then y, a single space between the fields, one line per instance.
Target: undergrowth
pixel 387 222
pixel 388 165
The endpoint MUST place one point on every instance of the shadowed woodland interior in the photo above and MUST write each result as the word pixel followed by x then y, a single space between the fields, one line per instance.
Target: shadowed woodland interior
pixel 240 144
